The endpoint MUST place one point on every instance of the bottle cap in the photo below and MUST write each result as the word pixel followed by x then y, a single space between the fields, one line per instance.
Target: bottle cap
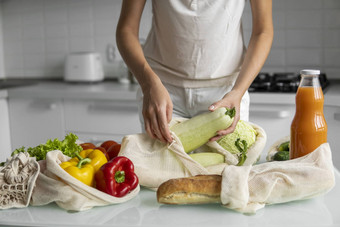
pixel 310 72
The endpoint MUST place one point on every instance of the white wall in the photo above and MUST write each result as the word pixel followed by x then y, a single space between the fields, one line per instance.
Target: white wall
pixel 2 67
pixel 38 34
pixel 307 35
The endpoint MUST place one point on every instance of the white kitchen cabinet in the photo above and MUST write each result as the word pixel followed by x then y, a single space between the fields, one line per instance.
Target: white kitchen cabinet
pixel 34 121
pixel 98 120
pixel 275 119
pixel 5 139
pixel 332 115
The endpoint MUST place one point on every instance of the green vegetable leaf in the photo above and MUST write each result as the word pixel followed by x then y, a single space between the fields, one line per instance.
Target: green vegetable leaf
pixel 243 151
pixel 16 151
pixel 243 131
pixel 231 112
pixel 68 147
pixel 281 156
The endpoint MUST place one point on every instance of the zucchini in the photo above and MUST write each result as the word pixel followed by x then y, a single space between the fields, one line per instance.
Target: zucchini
pixel 281 156
pixel 284 146
pixel 207 158
pixel 283 152
pixel 197 131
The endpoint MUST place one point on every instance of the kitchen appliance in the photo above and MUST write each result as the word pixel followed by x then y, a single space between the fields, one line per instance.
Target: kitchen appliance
pixel 283 82
pixel 83 67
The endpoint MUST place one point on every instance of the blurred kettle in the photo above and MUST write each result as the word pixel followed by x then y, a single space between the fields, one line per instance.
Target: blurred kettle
pixel 83 67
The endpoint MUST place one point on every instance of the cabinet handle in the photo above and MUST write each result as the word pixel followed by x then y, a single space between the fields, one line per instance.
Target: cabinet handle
pixel 45 105
pixel 114 107
pixel 337 116
pixel 271 113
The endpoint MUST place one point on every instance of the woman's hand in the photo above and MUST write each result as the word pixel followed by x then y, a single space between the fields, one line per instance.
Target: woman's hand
pixel 230 100
pixel 157 112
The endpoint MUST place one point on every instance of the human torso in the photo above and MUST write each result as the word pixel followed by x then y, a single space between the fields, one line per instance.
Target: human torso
pixel 196 43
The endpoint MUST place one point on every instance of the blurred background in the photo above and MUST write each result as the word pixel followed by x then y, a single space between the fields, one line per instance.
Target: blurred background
pixel 37 35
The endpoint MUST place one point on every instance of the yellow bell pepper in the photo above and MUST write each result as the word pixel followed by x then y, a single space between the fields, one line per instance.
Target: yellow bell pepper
pixel 97 157
pixel 85 165
pixel 81 170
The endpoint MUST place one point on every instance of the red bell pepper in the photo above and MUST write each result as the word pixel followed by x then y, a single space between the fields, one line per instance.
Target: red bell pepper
pixel 116 177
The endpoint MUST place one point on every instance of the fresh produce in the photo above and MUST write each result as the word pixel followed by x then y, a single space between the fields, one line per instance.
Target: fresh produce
pixel 108 143
pixel 86 146
pixel 116 177
pixel 284 146
pixel 197 131
pixel 80 168
pixel 68 147
pixel 243 131
pixel 281 156
pixel 243 151
pixel 283 152
pixel 85 165
pixel 97 158
pixel 113 151
pixel 102 149
pixel 207 158
pixel 112 148
pixel 238 142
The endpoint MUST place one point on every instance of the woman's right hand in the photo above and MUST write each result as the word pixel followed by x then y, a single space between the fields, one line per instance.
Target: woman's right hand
pixel 157 112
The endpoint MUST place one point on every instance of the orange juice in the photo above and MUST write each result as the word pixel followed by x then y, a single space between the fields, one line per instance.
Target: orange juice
pixel 308 128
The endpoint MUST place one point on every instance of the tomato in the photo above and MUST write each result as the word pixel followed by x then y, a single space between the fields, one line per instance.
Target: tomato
pixel 108 143
pixel 102 149
pixel 86 146
pixel 113 151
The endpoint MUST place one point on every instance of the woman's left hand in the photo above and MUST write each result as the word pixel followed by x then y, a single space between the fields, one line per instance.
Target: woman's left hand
pixel 230 100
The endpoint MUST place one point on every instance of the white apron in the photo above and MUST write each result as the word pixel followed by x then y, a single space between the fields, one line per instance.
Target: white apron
pixel 196 48
pixel 196 43
pixel 189 102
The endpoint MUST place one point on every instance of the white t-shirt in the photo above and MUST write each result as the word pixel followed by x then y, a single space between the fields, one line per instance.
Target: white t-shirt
pixel 196 43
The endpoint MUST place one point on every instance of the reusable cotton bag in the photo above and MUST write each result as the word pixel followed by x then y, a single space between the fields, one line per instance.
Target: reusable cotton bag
pixel 249 188
pixel 244 188
pixel 156 162
pixel 55 185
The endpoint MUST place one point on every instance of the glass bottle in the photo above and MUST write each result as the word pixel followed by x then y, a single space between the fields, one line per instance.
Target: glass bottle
pixel 309 128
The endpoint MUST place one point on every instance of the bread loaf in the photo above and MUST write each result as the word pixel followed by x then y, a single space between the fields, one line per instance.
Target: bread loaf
pixel 191 190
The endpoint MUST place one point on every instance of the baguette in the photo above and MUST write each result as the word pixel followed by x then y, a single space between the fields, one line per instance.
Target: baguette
pixel 199 189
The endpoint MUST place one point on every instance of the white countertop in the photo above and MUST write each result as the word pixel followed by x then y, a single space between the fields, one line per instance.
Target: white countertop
pixel 144 210
pixel 108 90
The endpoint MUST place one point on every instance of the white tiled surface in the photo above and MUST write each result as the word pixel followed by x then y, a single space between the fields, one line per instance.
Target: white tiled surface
pixel 306 35
pixel 38 34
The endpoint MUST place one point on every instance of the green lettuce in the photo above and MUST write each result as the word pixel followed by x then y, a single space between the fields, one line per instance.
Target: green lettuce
pixel 243 132
pixel 67 146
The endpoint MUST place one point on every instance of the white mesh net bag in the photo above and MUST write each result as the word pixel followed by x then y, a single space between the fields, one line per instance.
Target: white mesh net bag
pixel 17 180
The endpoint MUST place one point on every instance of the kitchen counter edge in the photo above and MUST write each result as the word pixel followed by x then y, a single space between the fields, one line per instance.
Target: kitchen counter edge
pixel 112 90
pixel 109 90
